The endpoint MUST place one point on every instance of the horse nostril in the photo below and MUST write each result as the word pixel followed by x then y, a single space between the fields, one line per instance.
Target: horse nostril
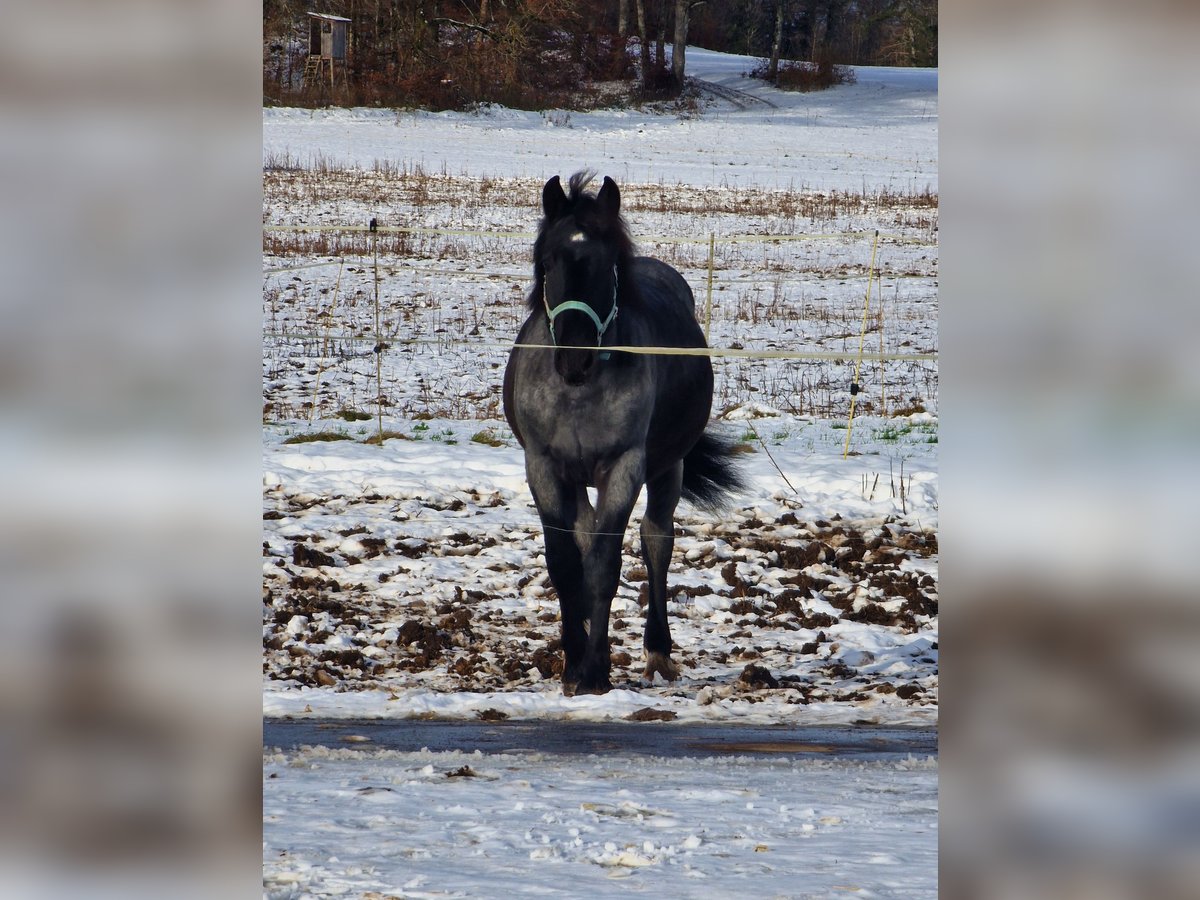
pixel 573 365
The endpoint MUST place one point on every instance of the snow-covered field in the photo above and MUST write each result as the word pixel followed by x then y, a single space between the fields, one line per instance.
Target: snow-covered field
pixel 878 132
pixel 406 580
pixel 386 824
pixel 413 583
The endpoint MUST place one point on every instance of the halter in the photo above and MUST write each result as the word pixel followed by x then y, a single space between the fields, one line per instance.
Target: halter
pixel 601 326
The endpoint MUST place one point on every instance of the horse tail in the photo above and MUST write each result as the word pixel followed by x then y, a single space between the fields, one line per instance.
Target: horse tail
pixel 710 478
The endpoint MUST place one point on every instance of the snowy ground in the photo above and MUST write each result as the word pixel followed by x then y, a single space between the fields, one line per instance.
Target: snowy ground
pixel 472 825
pixel 878 132
pixel 414 583
pixel 407 580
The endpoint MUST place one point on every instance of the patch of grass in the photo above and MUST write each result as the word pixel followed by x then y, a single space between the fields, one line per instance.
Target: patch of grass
pixel 914 406
pixel 378 438
pixel 318 436
pixel 929 429
pixel 897 431
pixel 353 415
pixel 893 432
pixel 488 437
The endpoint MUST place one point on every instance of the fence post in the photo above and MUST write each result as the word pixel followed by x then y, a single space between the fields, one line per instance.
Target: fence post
pixel 882 354
pixel 712 243
pixel 378 336
pixel 854 387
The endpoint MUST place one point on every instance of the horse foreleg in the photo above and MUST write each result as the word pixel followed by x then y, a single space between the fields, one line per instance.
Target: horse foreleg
pixel 585 520
pixel 556 505
pixel 617 491
pixel 658 540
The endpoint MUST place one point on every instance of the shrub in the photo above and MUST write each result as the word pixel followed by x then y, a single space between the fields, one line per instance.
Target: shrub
pixel 806 76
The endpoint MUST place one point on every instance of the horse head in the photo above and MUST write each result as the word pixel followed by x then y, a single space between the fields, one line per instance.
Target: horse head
pixel 581 249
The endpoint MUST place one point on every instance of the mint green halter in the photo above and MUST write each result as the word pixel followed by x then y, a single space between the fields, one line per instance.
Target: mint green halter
pixel 601 326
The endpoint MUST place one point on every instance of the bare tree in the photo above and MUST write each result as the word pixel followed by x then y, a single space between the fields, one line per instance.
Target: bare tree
pixel 679 46
pixel 776 43
pixel 643 50
pixel 660 51
pixel 683 17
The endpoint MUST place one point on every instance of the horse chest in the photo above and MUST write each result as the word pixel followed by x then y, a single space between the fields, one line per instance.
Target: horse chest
pixel 585 427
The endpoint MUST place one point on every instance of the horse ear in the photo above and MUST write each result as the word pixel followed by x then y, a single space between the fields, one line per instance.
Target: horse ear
pixel 609 198
pixel 554 198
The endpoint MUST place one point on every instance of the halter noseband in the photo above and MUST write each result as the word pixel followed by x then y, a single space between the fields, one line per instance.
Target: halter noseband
pixel 601 326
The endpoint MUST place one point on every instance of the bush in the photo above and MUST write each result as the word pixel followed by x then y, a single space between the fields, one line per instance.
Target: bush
pixel 660 82
pixel 806 76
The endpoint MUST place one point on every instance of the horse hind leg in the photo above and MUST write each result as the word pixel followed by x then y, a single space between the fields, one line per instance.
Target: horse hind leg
pixel 658 541
pixel 662 664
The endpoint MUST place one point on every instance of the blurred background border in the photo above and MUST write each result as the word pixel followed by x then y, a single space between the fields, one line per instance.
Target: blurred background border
pixel 1069 134
pixel 130 137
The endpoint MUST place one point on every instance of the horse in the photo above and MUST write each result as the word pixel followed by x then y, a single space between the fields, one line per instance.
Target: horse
pixel 609 419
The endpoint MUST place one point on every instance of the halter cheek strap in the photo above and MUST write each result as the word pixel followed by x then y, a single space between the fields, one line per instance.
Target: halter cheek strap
pixel 601 325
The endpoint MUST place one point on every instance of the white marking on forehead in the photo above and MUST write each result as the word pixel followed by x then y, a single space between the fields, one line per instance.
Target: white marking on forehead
pixel 579 236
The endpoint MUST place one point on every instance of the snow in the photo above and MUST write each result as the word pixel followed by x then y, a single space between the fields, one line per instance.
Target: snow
pixel 879 132
pixel 447 824
pixel 408 581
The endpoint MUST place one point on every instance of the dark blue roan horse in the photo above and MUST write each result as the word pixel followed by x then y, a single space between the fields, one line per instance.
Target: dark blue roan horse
pixel 609 419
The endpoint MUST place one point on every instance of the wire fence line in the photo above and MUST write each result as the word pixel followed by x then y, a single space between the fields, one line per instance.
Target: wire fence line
pixel 710 239
pixel 524 273
pixel 712 352
pixel 333 353
pixel 653 239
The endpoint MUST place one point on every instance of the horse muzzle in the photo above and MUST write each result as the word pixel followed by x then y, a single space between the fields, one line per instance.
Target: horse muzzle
pixel 574 364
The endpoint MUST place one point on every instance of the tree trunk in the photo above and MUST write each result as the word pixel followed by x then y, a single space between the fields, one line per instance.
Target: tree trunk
pixel 622 17
pixel 811 18
pixel 818 31
pixel 644 54
pixel 679 48
pixel 660 52
pixel 835 13
pixel 776 42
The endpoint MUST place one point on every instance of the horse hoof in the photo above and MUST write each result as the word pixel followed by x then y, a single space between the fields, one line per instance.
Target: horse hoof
pixel 662 664
pixel 600 687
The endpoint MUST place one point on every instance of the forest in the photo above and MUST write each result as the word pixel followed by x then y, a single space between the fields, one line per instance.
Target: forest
pixel 540 54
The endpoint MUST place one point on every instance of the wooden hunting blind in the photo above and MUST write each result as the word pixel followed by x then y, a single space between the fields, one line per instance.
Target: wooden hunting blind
pixel 328 41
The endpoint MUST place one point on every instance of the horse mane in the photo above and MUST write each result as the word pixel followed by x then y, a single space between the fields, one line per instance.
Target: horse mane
pixel 591 219
pixel 579 181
